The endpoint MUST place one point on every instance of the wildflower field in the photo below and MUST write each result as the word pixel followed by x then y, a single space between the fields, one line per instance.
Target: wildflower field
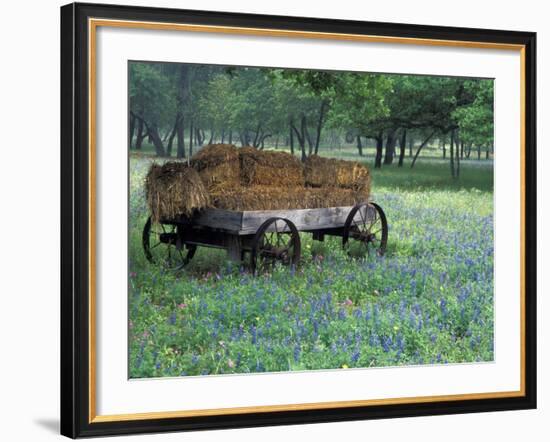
pixel 429 300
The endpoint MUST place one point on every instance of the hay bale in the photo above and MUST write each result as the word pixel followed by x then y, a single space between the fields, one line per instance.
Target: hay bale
pixel 174 189
pixel 218 166
pixel 267 167
pixel 331 172
pixel 283 198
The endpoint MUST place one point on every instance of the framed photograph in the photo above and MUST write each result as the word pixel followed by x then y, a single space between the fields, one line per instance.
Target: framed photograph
pixel 274 220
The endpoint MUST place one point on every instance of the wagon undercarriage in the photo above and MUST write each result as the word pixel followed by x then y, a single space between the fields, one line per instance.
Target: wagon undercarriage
pixel 263 238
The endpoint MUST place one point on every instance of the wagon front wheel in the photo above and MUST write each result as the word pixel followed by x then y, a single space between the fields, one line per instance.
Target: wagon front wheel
pixel 163 245
pixel 365 230
pixel 277 240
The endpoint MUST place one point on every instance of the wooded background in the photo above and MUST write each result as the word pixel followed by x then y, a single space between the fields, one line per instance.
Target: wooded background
pixel 176 107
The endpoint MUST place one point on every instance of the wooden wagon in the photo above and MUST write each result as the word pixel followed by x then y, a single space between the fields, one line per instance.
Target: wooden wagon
pixel 266 237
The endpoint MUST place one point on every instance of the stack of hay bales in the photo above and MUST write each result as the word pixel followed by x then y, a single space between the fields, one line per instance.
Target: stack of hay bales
pixel 282 198
pixel 323 172
pixel 226 177
pixel 174 189
pixel 269 168
pixel 218 166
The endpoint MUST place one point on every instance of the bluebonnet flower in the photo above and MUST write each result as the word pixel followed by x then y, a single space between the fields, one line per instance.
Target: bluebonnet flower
pixel 315 326
pixel 386 343
pixel 238 360
pixel 296 353
pixel 373 340
pixel 253 334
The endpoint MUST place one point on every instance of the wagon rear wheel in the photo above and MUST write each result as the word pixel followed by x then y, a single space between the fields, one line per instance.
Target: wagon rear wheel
pixel 365 230
pixel 277 240
pixel 163 245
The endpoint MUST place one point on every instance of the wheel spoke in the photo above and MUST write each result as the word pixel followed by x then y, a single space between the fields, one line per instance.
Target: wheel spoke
pixel 369 229
pixel 276 241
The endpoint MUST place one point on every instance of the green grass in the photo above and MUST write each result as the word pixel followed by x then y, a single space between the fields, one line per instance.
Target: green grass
pixel 428 301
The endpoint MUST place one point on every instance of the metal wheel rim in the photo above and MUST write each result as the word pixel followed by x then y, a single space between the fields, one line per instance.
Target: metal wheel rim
pixel 372 234
pixel 281 245
pixel 177 254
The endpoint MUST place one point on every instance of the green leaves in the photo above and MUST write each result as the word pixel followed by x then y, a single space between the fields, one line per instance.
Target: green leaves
pixel 475 118
pixel 151 92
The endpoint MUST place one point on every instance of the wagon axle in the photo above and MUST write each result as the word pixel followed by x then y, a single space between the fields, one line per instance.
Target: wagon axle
pixel 168 238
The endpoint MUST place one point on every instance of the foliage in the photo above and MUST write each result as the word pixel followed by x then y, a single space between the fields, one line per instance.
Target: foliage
pixel 476 118
pixel 150 92
pixel 259 104
pixel 361 102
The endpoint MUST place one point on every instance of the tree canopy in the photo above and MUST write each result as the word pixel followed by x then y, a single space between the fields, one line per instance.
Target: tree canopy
pixel 255 106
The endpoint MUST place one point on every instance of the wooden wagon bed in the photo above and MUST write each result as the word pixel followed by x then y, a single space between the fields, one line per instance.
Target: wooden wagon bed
pixel 249 221
pixel 266 234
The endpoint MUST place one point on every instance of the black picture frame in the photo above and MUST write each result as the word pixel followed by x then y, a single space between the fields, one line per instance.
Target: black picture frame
pixel 75 220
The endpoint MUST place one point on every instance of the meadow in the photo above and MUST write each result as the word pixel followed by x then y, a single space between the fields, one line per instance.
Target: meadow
pixel 429 300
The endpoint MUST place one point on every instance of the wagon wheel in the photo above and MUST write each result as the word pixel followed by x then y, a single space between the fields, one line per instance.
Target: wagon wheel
pixel 277 240
pixel 163 245
pixel 367 225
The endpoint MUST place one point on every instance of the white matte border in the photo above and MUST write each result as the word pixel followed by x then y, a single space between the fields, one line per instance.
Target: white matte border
pixel 115 394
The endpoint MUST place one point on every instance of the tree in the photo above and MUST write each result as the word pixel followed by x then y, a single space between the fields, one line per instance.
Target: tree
pixel 359 102
pixel 151 100
pixel 252 105
pixel 217 106
pixel 475 119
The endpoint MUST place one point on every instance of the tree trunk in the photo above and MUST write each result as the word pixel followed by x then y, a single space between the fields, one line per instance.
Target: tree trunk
pixel 171 137
pixel 411 145
pixel 291 139
pixel 211 136
pixel 359 145
pixel 402 146
pixel 191 138
pixel 421 147
pixel 469 150
pixel 131 130
pixel 459 145
pixel 199 136
pixel 180 139
pixel 322 111
pixel 479 151
pixel 223 136
pixel 462 149
pixel 257 135
pixel 230 136
pixel 300 135
pixel 444 147
pixel 140 134
pixel 182 101
pixel 156 140
pixel 306 136
pixel 379 146
pixel 451 153
pixel 390 147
